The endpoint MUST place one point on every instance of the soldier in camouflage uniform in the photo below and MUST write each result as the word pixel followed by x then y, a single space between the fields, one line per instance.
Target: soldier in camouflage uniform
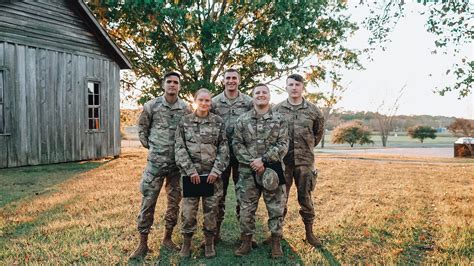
pixel 229 105
pixel 201 148
pixel 260 138
pixel 305 128
pixel 156 128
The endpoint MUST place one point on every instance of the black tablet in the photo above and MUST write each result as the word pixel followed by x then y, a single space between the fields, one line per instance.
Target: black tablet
pixel 202 189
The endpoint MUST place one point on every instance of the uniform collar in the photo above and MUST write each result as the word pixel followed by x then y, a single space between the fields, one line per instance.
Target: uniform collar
pixel 174 106
pixel 266 116
pixel 224 98
pixel 198 119
pixel 288 105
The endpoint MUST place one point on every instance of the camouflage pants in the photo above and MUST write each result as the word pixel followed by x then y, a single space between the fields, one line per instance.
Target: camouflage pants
pixel 232 169
pixel 190 208
pixel 249 197
pixel 150 187
pixel 305 182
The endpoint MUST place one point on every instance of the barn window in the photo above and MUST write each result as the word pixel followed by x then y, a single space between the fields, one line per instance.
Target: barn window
pixel 2 101
pixel 93 105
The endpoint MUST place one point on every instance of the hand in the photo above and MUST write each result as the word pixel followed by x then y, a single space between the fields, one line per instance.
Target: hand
pixel 195 179
pixel 257 164
pixel 261 171
pixel 212 178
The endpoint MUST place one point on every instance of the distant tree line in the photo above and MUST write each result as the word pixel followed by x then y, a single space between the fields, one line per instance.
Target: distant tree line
pixel 400 123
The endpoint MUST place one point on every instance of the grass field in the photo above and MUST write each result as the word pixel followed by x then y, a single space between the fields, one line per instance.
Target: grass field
pixel 371 209
pixel 400 141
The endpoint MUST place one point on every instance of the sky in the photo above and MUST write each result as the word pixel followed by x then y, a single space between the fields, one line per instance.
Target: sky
pixel 407 60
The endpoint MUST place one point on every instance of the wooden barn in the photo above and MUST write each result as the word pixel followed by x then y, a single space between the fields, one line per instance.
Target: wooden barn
pixel 59 84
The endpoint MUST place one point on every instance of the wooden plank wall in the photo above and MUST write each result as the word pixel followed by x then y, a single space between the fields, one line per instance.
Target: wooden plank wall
pixel 47 24
pixel 46 106
pixel 4 138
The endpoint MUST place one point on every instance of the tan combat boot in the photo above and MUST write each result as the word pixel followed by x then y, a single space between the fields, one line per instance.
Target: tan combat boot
pixel 268 240
pixel 186 248
pixel 254 243
pixel 168 242
pixel 276 247
pixel 209 250
pixel 142 248
pixel 312 240
pixel 246 246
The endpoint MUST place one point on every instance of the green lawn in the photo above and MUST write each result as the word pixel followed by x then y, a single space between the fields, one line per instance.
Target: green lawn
pixel 400 141
pixel 20 182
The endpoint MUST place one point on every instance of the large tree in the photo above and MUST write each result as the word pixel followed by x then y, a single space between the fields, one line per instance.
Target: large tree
pixel 263 39
pixel 352 132
pixel 422 132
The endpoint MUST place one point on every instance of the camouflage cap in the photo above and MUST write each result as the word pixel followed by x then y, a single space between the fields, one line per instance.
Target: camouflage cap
pixel 270 179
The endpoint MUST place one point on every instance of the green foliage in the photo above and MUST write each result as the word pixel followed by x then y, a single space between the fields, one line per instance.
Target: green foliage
pixel 351 132
pixel 451 21
pixel 422 132
pixel 263 39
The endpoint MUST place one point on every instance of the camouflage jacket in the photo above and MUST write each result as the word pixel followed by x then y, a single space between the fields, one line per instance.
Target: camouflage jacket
pixel 305 129
pixel 156 129
pixel 231 111
pixel 265 136
pixel 201 145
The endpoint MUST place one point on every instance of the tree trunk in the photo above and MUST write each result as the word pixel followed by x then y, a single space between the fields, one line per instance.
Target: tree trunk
pixel 322 140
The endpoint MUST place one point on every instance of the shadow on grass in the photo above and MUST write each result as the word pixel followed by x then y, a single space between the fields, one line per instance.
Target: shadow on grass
pixel 331 260
pixel 12 231
pixel 230 233
pixel 22 182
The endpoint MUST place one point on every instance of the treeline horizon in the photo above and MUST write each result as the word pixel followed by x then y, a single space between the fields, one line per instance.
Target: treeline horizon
pixel 400 123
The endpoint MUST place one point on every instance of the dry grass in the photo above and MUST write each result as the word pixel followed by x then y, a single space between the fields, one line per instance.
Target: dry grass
pixel 129 117
pixel 373 210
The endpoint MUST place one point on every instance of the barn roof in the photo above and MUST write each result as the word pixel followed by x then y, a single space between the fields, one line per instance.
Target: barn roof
pixel 101 34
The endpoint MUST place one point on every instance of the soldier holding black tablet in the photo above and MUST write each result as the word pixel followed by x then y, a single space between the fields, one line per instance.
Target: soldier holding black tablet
pixel 202 154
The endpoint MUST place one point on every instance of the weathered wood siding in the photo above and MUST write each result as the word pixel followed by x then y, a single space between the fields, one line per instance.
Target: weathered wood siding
pixel 47 23
pixel 46 106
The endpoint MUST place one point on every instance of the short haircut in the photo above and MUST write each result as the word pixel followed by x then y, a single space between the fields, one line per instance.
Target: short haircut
pixel 261 85
pixel 296 77
pixel 232 70
pixel 202 90
pixel 172 73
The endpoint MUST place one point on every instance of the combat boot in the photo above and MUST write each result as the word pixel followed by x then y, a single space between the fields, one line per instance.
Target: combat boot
pixel 209 250
pixel 276 247
pixel 142 248
pixel 254 243
pixel 168 242
pixel 246 246
pixel 312 240
pixel 186 248
pixel 268 240
pixel 217 237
